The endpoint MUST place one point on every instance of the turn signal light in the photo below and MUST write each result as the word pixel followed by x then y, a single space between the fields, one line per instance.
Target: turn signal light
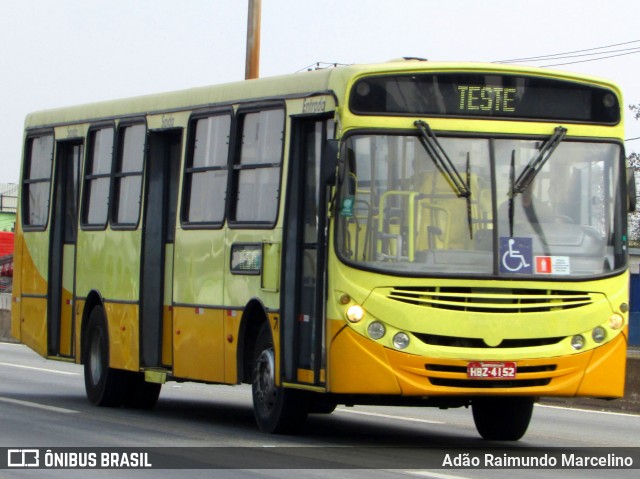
pixel 355 313
pixel 616 321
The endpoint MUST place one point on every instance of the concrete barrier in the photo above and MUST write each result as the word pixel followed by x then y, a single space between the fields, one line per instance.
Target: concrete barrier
pixel 5 318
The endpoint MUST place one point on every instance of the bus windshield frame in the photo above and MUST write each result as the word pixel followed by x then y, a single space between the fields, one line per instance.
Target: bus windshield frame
pixel 398 212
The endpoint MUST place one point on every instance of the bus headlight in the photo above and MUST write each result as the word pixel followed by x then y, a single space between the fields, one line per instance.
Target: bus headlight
pixel 355 313
pixel 616 321
pixel 578 342
pixel 401 340
pixel 598 334
pixel 376 330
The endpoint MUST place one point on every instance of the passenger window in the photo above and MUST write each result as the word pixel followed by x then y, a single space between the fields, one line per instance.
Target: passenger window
pixel 257 170
pixel 128 175
pixel 207 170
pixel 37 181
pixel 97 180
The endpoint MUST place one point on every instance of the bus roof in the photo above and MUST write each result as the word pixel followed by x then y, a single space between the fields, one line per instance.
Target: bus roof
pixel 308 83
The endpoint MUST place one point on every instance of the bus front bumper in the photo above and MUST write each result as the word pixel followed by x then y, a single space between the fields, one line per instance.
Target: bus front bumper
pixel 360 366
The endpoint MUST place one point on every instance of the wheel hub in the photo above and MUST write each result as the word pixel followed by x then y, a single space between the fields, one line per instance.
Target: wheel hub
pixel 264 380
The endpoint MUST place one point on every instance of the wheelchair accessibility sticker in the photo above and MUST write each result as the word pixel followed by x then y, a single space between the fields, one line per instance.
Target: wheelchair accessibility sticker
pixel 516 255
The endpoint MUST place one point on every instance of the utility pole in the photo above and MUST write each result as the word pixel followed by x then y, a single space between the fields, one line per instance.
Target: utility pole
pixel 252 67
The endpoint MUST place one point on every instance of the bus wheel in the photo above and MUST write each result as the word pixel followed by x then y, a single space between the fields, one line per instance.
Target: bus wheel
pixel 276 409
pixel 104 386
pixel 502 418
pixel 140 393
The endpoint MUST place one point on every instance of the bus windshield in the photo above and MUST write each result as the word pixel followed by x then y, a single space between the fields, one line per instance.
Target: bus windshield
pixel 400 212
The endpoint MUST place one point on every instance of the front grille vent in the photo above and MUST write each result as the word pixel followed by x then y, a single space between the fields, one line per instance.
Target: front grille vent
pixel 491 300
pixel 459 342
pixel 485 384
pixel 528 376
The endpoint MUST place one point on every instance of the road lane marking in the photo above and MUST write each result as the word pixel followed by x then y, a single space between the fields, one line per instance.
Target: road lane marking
pixel 39 369
pixel 569 408
pixel 37 406
pixel 389 416
pixel 434 475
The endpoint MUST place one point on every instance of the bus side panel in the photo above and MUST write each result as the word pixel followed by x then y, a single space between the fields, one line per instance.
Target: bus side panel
pixel 33 328
pixel 32 319
pixel 109 262
pixel 198 270
pixel 231 335
pixel 167 335
pixel 198 345
pixel 122 320
pixel 35 257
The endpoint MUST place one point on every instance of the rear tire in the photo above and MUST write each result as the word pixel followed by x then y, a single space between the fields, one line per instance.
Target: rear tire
pixel 105 386
pixel 276 409
pixel 502 418
pixel 141 394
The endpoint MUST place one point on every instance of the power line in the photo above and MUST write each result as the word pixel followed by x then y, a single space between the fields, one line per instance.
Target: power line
pixel 552 55
pixel 591 59
pixel 632 49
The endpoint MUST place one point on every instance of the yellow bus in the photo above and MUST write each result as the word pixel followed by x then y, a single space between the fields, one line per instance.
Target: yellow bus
pixel 407 233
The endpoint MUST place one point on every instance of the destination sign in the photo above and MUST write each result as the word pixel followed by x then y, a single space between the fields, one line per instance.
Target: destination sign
pixel 486 98
pixel 484 95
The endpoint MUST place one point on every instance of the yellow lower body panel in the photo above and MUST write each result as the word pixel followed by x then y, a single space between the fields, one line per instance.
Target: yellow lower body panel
pixel 606 372
pixel 360 366
pixel 205 344
pixel 33 326
pixel 66 323
pixel 124 340
pixel 167 335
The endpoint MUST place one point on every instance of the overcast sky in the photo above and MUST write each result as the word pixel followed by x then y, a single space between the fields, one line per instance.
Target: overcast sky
pixel 65 52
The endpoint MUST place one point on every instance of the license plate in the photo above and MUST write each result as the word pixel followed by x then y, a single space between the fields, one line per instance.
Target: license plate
pixel 491 370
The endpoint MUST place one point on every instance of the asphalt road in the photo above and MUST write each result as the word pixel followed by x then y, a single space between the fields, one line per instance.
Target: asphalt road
pixel 43 405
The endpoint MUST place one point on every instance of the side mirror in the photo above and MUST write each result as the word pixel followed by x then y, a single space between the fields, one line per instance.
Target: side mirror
pixel 631 190
pixel 330 161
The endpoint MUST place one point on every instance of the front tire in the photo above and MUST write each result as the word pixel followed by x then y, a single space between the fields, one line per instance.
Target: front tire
pixel 276 409
pixel 104 386
pixel 502 418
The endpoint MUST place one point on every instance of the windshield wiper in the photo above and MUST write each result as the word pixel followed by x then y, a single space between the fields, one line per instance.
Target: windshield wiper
pixel 441 160
pixel 531 214
pixel 536 163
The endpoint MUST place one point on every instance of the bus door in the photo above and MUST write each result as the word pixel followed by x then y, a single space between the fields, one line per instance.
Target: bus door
pixel 64 228
pixel 160 202
pixel 304 269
